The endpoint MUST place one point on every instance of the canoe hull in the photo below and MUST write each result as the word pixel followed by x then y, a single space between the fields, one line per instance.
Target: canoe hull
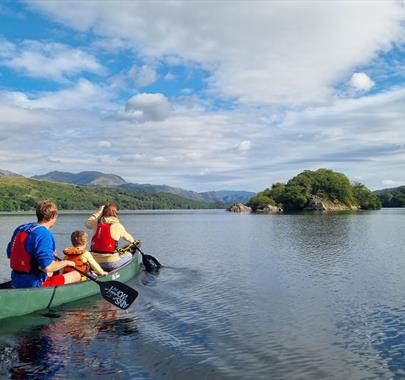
pixel 16 302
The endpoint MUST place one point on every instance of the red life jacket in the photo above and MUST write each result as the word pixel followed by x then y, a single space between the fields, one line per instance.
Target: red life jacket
pixel 20 259
pixel 76 255
pixel 102 241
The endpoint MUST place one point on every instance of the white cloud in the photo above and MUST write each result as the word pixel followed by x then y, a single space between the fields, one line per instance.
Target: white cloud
pixel 143 76
pixel 82 95
pixel 360 137
pixel 147 106
pixel 361 82
pixel 47 60
pixel 245 145
pixel 392 183
pixel 131 157
pixel 286 53
pixel 104 144
pixel 159 160
pixel 170 76
pixel 7 49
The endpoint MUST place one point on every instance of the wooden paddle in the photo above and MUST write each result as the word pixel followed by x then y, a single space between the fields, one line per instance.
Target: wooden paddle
pixel 115 292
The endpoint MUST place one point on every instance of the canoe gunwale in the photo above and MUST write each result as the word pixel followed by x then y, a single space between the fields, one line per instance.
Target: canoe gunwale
pixel 7 285
pixel 23 301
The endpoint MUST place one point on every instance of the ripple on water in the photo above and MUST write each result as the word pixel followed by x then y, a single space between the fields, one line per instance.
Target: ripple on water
pixel 198 328
pixel 377 336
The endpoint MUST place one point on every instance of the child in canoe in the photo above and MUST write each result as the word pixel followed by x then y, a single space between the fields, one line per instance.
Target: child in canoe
pixel 80 256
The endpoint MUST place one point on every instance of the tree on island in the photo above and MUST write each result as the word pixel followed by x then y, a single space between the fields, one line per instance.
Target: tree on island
pixel 267 197
pixel 260 201
pixel 323 184
pixel 366 199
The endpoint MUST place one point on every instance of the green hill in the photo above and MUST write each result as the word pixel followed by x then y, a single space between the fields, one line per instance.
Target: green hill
pixel 394 197
pixel 19 193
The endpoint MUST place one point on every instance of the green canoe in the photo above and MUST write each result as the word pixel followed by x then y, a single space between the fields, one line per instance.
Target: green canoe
pixel 15 302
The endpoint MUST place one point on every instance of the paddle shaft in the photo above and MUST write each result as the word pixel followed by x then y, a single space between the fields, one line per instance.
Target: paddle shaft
pixel 140 250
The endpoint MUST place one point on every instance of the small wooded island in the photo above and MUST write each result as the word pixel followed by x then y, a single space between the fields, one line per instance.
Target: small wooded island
pixel 321 190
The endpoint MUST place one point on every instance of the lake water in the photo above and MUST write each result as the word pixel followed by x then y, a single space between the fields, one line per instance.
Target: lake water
pixel 300 296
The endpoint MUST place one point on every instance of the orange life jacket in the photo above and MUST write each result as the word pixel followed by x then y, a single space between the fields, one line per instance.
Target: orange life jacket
pixel 102 241
pixel 20 259
pixel 76 255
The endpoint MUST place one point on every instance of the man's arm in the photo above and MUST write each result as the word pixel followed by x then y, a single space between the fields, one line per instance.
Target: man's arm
pixel 44 251
pixel 57 265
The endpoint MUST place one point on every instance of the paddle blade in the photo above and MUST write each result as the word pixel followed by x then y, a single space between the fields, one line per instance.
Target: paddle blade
pixel 150 263
pixel 117 293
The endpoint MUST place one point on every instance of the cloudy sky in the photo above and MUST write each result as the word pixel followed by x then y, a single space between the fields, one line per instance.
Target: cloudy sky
pixel 204 95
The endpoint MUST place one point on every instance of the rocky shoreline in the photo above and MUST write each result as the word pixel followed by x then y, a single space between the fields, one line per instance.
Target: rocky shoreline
pixel 315 204
pixel 241 208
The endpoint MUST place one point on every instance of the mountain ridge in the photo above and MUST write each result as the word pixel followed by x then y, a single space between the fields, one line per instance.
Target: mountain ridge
pixel 96 178
pixel 87 178
pixel 20 193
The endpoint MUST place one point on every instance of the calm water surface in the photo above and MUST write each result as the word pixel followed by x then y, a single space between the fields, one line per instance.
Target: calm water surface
pixel 306 296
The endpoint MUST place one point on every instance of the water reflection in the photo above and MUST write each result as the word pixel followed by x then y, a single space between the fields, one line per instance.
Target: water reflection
pixel 320 239
pixel 44 347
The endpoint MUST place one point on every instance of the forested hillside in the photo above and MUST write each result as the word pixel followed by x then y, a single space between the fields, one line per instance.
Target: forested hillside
pixel 19 193
pixel 392 197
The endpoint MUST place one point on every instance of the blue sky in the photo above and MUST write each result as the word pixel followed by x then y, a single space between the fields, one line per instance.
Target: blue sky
pixel 204 95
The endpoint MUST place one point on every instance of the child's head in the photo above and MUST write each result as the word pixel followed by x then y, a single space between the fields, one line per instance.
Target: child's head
pixel 79 238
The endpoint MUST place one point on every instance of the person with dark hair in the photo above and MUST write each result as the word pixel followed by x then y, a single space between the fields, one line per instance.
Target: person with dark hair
pixel 32 251
pixel 107 231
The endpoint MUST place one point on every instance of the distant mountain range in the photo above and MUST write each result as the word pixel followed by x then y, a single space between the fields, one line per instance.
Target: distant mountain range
pixel 91 178
pixel 19 193
pixel 95 178
pixel 6 173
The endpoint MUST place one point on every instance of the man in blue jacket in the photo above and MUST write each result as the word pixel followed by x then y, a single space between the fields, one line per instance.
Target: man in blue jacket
pixel 32 251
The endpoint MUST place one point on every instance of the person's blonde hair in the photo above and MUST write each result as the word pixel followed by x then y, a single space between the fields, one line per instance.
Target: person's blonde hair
pixel 78 238
pixel 46 210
